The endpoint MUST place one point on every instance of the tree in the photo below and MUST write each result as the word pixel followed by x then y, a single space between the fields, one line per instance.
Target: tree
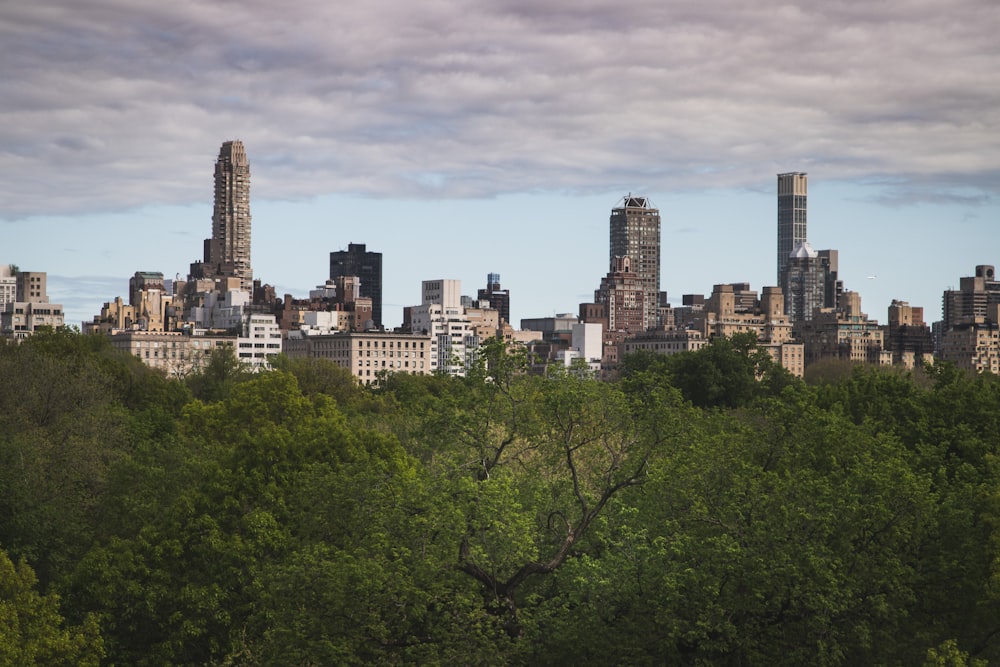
pixel 32 631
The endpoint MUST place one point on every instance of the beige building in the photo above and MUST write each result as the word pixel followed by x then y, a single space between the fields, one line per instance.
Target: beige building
pixel 729 312
pixel 149 308
pixel 672 341
pixel 366 354
pixel 176 354
pixel 975 346
pixel 30 309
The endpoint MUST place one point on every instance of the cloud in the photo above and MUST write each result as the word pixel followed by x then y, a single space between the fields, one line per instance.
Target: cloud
pixel 110 104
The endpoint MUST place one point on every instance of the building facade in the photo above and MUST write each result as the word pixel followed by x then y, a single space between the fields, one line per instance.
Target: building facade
pixel 175 353
pixel 367 266
pixel 367 354
pixel 635 233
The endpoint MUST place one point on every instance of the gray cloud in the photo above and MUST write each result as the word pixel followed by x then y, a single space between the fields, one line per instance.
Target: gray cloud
pixel 109 105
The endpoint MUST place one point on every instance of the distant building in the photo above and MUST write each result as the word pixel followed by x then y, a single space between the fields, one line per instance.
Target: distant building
pixel 623 295
pixel 30 309
pixel 971 302
pixel 728 313
pixel 260 341
pixel 969 333
pixel 175 353
pixel 498 299
pixel 907 336
pixel 974 347
pixel 810 282
pixel 8 284
pixel 672 341
pixel 635 233
pixel 454 343
pixel 843 333
pixel 367 354
pixel 149 308
pixel 793 190
pixel 367 266
pixel 227 253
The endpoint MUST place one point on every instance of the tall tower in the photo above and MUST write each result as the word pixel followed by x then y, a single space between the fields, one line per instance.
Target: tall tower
pixel 792 191
pixel 227 253
pixel 357 261
pixel 635 233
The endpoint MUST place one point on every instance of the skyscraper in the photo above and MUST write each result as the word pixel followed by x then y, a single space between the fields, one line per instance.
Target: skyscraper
pixel 357 261
pixel 498 298
pixel 635 233
pixel 805 283
pixel 792 192
pixel 227 253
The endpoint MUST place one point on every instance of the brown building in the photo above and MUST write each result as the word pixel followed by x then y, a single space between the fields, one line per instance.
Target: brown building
pixel 843 333
pixel 622 293
pixel 907 336
pixel 635 233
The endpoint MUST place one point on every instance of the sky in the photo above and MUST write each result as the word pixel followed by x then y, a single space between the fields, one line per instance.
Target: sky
pixel 466 137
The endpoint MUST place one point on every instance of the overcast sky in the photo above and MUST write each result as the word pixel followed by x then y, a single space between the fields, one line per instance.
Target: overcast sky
pixel 460 138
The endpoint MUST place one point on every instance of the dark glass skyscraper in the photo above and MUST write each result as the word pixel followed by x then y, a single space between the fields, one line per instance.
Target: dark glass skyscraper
pixel 498 298
pixel 357 261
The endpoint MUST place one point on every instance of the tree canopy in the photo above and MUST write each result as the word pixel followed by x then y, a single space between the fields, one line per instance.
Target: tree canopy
pixel 707 508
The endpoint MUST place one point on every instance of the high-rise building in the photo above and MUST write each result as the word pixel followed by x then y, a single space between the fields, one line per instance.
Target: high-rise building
pixel 805 283
pixel 498 298
pixel 635 233
pixel 792 192
pixel 227 253
pixel 357 261
pixel 970 303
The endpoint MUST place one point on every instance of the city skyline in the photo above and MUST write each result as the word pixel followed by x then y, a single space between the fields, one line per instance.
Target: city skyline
pixel 457 153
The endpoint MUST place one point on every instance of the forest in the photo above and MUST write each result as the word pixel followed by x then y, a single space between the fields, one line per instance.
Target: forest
pixel 704 509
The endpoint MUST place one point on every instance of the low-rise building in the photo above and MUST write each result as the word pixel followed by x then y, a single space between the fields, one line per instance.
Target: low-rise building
pixel 366 354
pixel 176 353
pixel 30 310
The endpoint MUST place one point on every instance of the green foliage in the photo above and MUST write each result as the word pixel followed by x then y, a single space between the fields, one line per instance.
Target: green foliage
pixel 32 631
pixel 706 509
pixel 727 373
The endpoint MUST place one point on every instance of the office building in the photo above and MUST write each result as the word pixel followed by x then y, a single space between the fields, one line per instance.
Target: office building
pixel 792 194
pixel 635 233
pixel 367 266
pixel 811 281
pixel 499 299
pixel 227 253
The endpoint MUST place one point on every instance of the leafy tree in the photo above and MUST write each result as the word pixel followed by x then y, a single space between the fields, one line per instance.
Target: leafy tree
pixel 32 631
